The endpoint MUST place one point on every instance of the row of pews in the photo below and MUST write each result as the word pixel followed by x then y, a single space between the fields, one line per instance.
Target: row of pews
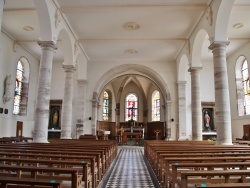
pixel 14 139
pixel 60 163
pixel 198 163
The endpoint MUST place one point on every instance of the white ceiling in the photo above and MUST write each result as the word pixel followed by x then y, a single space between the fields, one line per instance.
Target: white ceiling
pixel 164 26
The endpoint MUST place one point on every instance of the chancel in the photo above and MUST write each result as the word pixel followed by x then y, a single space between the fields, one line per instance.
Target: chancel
pixel 96 84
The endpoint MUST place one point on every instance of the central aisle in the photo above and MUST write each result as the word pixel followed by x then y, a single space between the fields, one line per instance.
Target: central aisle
pixel 129 170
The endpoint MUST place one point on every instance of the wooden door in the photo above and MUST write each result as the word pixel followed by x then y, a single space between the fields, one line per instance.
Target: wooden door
pixel 19 129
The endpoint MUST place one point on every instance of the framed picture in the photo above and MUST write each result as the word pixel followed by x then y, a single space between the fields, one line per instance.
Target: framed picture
pixel 55 114
pixel 208 117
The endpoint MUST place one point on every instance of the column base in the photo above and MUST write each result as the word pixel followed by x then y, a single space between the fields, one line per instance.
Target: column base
pixel 224 143
pixel 183 138
pixel 65 138
pixel 169 139
pixel 39 141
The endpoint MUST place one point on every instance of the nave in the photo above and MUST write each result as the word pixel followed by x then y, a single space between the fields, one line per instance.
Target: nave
pixel 130 170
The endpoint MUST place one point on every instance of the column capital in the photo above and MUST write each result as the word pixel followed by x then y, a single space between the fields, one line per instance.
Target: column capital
pixel 69 68
pixel 215 44
pixel 193 69
pixel 168 103
pixel 81 81
pixel 181 82
pixel 95 103
pixel 47 44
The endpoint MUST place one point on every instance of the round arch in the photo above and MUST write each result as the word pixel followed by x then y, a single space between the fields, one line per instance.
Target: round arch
pixel 45 17
pixel 67 46
pixel 222 20
pixel 125 69
pixel 183 68
pixel 197 48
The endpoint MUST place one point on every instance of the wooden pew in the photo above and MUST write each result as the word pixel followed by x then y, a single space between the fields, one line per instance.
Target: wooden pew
pixel 107 149
pixel 221 185
pixel 50 156
pixel 224 176
pixel 29 181
pixel 32 172
pixel 86 176
pixel 177 168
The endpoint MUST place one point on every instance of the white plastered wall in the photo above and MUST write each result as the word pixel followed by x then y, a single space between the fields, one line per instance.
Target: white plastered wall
pixel 9 59
pixel 237 121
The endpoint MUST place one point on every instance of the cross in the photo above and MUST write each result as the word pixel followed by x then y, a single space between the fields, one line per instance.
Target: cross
pixel 132 112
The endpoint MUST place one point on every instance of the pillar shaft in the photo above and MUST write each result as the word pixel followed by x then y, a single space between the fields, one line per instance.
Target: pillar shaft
pixel 196 103
pixel 80 105
pixel 182 110
pixel 40 133
pixel 222 101
pixel 66 120
pixel 168 121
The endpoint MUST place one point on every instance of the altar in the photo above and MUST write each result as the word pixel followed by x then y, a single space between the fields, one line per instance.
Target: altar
pixel 130 135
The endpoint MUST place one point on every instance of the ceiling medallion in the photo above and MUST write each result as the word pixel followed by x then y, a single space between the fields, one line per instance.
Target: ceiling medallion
pixel 238 25
pixel 28 28
pixel 131 51
pixel 131 26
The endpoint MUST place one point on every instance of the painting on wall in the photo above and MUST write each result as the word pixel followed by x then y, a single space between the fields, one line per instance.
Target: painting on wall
pixel 55 114
pixel 208 117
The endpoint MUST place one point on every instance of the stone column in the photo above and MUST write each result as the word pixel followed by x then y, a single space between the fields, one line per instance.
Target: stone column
pixel 168 121
pixel 117 118
pixel 66 117
pixel 95 106
pixel 182 110
pixel 196 103
pixel 80 104
pixel 2 2
pixel 222 100
pixel 40 133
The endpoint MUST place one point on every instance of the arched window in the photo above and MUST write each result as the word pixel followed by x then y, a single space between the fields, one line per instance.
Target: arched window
pixel 131 111
pixel 21 87
pixel 105 106
pixel 156 106
pixel 242 85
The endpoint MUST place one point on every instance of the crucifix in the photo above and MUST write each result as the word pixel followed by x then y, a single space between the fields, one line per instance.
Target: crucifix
pixel 132 109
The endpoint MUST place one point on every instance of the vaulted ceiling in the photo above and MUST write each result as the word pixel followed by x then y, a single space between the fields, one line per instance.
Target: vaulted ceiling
pixel 139 30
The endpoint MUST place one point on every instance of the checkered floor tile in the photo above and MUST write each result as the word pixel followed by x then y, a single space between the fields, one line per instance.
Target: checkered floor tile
pixel 130 171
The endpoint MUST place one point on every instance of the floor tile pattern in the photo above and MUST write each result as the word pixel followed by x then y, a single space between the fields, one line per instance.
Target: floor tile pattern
pixel 130 171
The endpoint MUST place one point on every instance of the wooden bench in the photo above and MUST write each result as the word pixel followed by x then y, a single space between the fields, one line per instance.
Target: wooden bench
pixel 98 168
pixel 29 181
pixel 177 168
pixel 221 185
pixel 205 177
pixel 32 172
pixel 104 152
pixel 86 174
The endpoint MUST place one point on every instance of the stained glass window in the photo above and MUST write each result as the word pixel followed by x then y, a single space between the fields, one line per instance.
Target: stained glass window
pixel 131 111
pixel 105 106
pixel 18 88
pixel 246 87
pixel 156 106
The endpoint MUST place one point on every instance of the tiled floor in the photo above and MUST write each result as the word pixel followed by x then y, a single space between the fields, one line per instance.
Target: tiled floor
pixel 129 170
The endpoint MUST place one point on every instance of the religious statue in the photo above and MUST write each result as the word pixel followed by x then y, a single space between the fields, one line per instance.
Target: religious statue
pixel 157 131
pixel 207 121
pixel 121 134
pixel 55 118
pixel 121 131
pixel 7 88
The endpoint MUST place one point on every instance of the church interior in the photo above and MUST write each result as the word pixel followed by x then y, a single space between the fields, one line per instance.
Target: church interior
pixel 109 87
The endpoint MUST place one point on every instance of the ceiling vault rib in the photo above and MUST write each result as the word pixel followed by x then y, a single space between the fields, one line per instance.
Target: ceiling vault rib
pixel 84 9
